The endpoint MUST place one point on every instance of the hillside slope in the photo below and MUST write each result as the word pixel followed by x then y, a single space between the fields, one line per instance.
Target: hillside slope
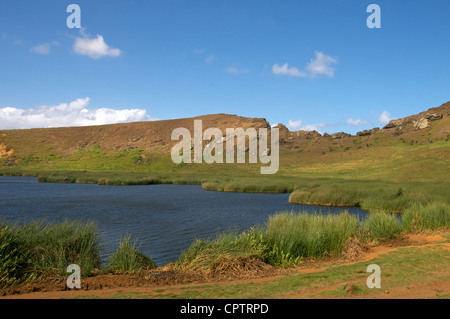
pixel 413 148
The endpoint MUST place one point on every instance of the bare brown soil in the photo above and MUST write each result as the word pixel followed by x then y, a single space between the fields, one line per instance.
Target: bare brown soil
pixel 106 285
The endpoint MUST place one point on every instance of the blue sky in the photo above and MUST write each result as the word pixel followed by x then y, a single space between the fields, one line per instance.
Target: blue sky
pixel 306 64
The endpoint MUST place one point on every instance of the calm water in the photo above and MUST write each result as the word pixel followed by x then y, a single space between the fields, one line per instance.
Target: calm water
pixel 166 218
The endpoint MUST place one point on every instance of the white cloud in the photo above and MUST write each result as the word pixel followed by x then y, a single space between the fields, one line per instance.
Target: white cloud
pixel 384 117
pixel 94 48
pixel 74 113
pixel 211 58
pixel 235 70
pixel 294 125
pixel 314 127
pixel 199 51
pixel 44 48
pixel 357 122
pixel 286 70
pixel 298 125
pixel 320 65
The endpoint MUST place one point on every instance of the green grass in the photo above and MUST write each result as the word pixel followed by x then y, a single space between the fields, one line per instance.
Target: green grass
pixel 382 226
pixel 38 249
pixel 292 236
pixel 128 258
pixel 35 249
pixel 204 255
pixel 404 268
pixel 12 260
pixel 432 216
pixel 287 238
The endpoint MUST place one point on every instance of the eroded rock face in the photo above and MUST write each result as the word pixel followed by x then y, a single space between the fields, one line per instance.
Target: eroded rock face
pixel 393 124
pixel 368 132
pixel 433 117
pixel 5 151
pixel 421 123
pixel 339 135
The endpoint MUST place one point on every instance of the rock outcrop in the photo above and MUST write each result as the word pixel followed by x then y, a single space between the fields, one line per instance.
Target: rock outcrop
pixel 368 132
pixel 393 124
pixel 339 135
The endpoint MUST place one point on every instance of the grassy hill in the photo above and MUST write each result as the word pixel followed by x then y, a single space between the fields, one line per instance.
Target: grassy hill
pixel 380 169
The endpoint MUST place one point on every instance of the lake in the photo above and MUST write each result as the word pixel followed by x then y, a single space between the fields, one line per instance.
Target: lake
pixel 166 219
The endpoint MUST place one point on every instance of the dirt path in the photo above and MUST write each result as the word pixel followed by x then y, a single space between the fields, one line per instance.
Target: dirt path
pixel 105 286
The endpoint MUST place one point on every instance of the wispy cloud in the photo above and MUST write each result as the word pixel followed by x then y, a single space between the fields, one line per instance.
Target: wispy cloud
pixel 320 65
pixel 210 59
pixel 384 117
pixel 298 125
pixel 285 69
pixel 357 122
pixel 294 125
pixel 94 47
pixel 44 48
pixel 75 113
pixel 235 70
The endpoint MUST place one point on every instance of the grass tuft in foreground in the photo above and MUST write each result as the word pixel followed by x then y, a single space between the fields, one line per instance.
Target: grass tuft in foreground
pixel 35 248
pixel 382 226
pixel 128 259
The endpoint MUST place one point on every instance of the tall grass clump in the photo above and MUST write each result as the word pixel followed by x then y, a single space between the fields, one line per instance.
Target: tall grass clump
pixel 128 258
pixel 292 236
pixel 204 255
pixel 420 217
pixel 38 249
pixel 382 226
pixel 13 266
